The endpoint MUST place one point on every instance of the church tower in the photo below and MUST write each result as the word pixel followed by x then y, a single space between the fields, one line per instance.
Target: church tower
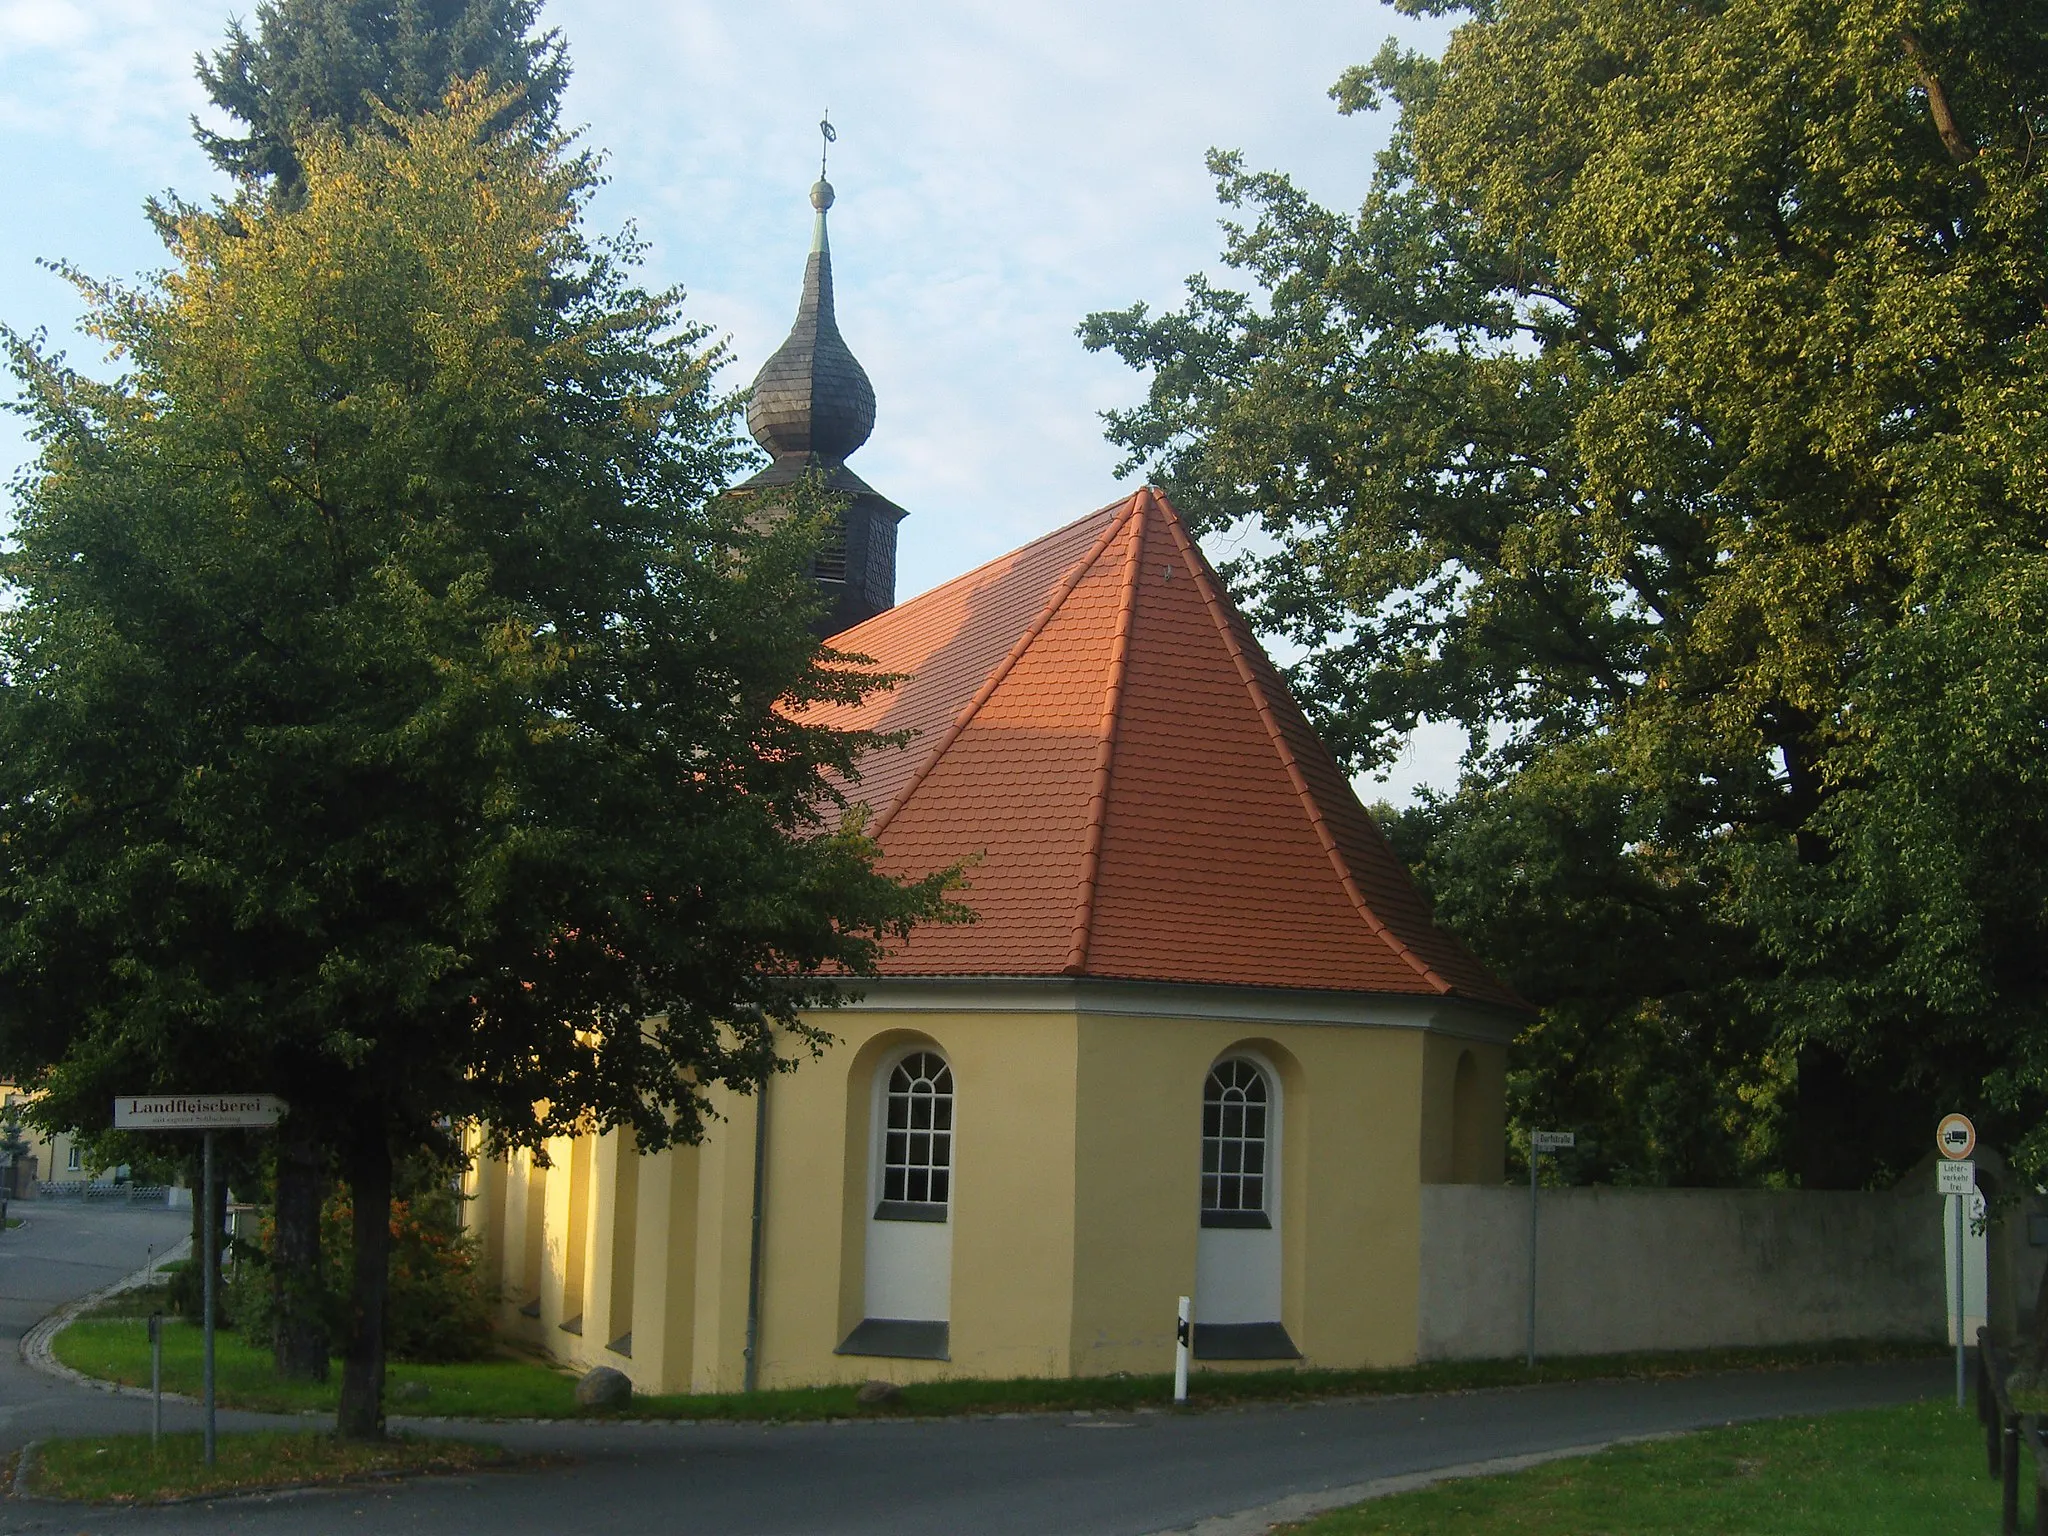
pixel 812 407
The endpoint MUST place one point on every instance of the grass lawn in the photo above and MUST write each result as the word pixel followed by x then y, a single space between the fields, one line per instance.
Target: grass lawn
pixel 113 1344
pixel 122 1469
pixel 117 1349
pixel 1916 1471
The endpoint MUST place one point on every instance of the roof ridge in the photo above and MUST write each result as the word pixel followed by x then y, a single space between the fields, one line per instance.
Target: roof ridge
pixel 994 680
pixel 1105 741
pixel 1212 597
pixel 1009 558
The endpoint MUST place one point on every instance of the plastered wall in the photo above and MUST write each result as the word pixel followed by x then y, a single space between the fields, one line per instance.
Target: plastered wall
pixel 1077 1160
pixel 1652 1269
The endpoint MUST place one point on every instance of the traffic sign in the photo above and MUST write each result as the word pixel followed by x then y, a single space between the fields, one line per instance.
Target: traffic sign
pixel 1956 1178
pixel 1551 1141
pixel 1956 1137
pixel 195 1111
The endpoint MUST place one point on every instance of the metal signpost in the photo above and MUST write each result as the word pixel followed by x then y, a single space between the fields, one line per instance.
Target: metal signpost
pixel 1956 1179
pixel 1540 1142
pixel 205 1112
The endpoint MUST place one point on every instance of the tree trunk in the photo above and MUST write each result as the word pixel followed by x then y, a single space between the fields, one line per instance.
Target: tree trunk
pixel 218 1212
pixel 299 1314
pixel 361 1415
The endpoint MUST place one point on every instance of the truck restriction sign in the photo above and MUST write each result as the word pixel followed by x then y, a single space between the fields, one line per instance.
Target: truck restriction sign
pixel 1956 1137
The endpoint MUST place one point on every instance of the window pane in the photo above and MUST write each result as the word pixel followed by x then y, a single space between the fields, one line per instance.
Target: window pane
pixel 917 1121
pixel 1234 1132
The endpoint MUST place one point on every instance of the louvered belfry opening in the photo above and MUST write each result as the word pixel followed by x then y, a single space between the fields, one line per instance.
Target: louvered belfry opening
pixel 812 407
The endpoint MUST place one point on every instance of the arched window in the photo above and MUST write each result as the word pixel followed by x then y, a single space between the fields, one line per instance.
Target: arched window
pixel 917 1139
pixel 1236 1110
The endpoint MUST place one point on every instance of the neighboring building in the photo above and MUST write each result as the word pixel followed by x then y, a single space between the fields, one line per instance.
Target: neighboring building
pixel 52 1159
pixel 1203 1039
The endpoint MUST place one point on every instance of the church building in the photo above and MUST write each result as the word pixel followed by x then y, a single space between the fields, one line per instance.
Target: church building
pixel 1203 1038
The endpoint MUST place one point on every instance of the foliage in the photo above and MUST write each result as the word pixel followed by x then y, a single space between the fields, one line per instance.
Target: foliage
pixel 1677 382
pixel 1913 1471
pixel 329 62
pixel 438 1310
pixel 391 715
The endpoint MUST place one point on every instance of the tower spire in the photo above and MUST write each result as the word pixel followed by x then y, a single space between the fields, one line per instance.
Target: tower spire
pixel 812 406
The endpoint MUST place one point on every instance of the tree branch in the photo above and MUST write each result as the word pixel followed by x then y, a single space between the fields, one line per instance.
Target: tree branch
pixel 1960 149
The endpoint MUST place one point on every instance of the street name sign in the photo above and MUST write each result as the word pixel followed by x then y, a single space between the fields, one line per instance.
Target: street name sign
pixel 1552 1141
pixel 1956 1137
pixel 196 1111
pixel 1956 1178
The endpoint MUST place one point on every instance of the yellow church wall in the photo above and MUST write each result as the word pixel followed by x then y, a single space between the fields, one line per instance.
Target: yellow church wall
pixel 1349 1216
pixel 664 1272
pixel 725 1202
pixel 1464 1129
pixel 1012 1276
pixel 1077 1165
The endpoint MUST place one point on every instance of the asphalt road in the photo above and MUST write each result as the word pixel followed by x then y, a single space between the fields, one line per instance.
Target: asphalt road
pixel 62 1251
pixel 1031 1475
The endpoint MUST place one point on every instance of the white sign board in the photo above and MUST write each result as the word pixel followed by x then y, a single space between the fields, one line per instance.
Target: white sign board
pixel 1552 1141
pixel 1956 1178
pixel 195 1111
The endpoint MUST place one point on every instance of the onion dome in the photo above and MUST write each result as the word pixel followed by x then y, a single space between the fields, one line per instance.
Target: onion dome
pixel 813 397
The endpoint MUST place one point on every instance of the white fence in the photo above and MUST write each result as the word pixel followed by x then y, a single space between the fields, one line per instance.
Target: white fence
pixel 1649 1269
pixel 105 1189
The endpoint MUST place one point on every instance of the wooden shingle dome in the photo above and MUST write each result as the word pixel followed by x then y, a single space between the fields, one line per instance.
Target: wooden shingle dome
pixel 813 405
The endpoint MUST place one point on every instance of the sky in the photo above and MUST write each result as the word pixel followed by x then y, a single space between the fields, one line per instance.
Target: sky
pixel 1002 170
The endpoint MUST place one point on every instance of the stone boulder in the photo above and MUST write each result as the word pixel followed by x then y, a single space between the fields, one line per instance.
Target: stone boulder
pixel 604 1387
pixel 878 1394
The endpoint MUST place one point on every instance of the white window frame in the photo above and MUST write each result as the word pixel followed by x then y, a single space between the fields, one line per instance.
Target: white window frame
pixel 1268 1212
pixel 882 1209
pixel 74 1161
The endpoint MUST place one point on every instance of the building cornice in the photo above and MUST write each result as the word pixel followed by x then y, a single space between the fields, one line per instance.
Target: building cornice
pixel 1184 1000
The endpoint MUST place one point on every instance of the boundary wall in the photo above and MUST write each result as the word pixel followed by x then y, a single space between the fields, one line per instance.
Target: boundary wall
pixel 1620 1270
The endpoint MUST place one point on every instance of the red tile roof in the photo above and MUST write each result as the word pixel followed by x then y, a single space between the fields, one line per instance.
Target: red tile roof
pixel 1097 729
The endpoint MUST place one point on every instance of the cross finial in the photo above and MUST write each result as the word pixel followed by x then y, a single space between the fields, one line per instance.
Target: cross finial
pixel 830 135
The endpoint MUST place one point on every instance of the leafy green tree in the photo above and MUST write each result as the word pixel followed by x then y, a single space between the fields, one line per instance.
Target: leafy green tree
pixel 325 63
pixel 1628 424
pixel 329 62
pixel 391 715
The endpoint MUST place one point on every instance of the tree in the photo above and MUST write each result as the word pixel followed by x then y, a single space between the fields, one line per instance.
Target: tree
pixel 1628 425
pixel 330 63
pixel 325 63
pixel 391 715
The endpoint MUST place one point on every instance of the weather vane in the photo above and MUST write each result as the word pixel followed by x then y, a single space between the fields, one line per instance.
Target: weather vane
pixel 831 136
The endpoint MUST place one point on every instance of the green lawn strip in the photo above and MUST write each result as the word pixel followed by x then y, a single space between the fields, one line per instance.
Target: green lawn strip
pixel 122 1469
pixel 112 1344
pixel 1212 1389
pixel 1914 1471
pixel 117 1349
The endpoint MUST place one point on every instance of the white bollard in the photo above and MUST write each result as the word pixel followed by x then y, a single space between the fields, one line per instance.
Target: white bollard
pixel 1183 1337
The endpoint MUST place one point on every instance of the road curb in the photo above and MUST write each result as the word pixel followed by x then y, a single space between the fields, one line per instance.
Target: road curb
pixel 36 1351
pixel 24 1467
pixel 1303 1506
